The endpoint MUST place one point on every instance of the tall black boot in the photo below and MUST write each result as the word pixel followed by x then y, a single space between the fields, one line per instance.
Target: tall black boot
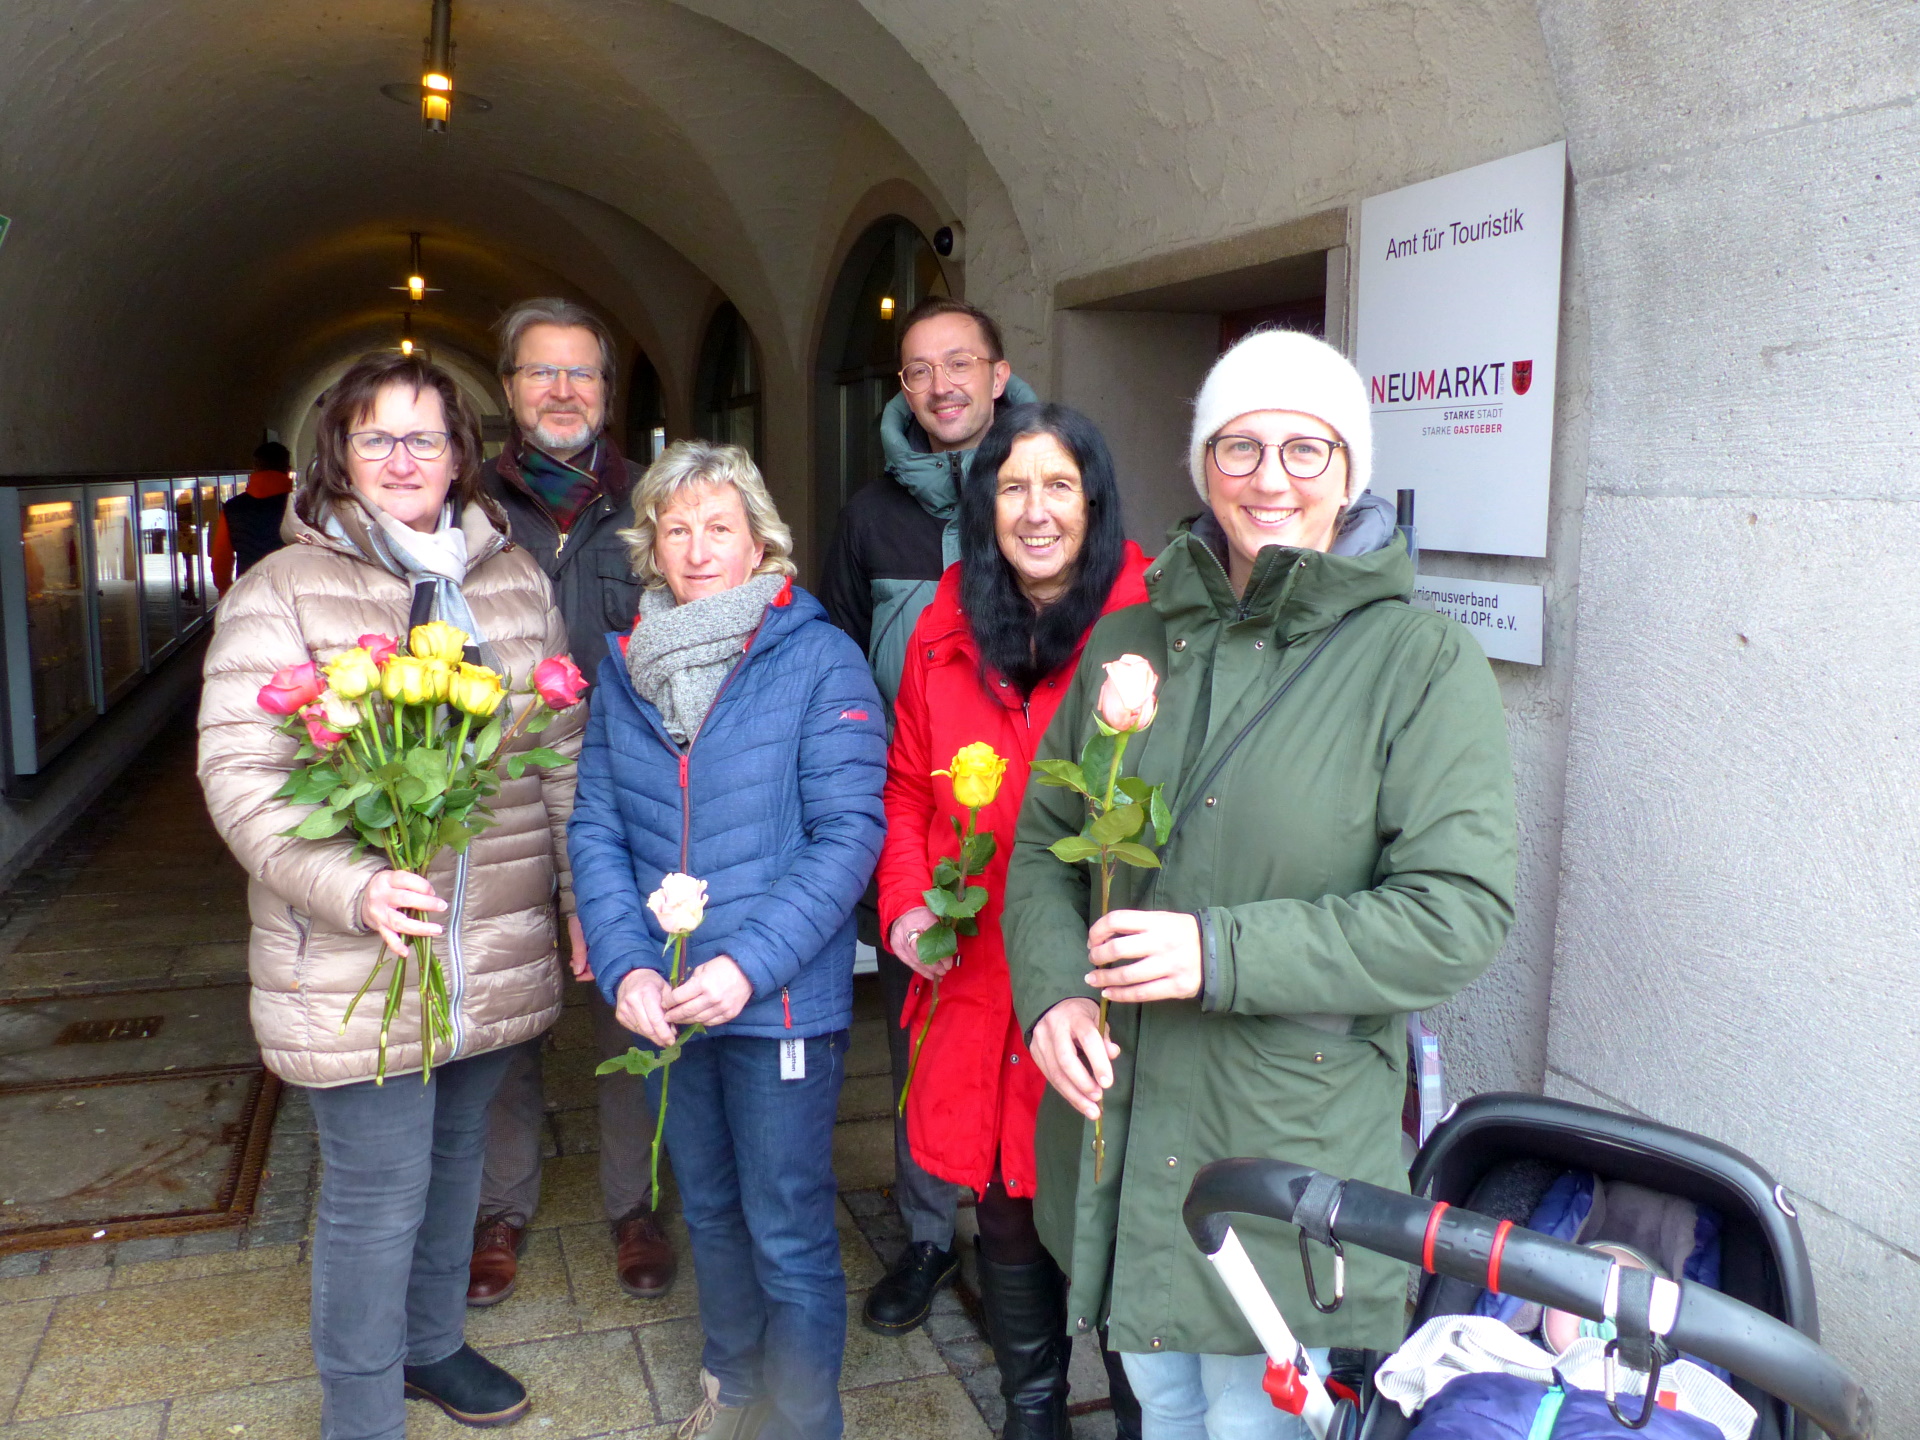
pixel 1126 1407
pixel 1026 1309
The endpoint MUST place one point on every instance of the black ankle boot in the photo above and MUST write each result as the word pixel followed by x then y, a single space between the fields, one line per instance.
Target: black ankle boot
pixel 1026 1308
pixel 469 1387
pixel 1126 1406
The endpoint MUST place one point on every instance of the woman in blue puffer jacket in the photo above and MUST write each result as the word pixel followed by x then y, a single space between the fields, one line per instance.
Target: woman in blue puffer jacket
pixel 736 736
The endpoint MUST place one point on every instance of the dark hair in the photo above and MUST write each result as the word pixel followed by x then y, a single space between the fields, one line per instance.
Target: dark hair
pixel 1023 644
pixel 272 455
pixel 348 401
pixel 946 305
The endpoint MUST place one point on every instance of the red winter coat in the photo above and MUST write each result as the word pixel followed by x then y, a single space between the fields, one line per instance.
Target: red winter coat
pixel 974 1095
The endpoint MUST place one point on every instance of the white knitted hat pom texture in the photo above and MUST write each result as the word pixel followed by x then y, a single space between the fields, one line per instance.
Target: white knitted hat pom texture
pixel 1285 370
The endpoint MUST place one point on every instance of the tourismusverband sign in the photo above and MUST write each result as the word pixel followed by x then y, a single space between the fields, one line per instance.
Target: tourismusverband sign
pixel 1458 326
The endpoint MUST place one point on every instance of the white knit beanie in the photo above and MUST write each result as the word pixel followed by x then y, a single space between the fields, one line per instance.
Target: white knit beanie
pixel 1285 370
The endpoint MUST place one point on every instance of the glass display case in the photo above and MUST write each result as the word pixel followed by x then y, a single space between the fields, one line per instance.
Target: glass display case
pixel 99 583
pixel 157 565
pixel 116 588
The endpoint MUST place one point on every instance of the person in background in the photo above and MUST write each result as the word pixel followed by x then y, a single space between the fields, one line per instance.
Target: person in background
pixel 247 529
pixel 1342 852
pixel 391 513
pixel 1043 554
pixel 565 488
pixel 736 737
pixel 895 538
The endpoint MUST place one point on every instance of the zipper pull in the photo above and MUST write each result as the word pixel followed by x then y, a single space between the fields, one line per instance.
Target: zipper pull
pixel 785 1008
pixel 562 545
pixel 684 757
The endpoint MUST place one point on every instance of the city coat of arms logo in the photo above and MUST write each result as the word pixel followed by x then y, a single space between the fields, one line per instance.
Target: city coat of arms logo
pixel 1522 376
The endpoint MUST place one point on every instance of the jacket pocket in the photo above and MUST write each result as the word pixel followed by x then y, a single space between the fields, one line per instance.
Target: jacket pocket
pixel 619 590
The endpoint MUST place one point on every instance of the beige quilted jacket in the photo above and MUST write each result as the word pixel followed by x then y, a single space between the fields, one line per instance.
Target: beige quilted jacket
pixel 310 952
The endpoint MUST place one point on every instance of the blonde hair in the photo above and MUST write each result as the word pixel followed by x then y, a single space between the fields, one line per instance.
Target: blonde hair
pixel 686 465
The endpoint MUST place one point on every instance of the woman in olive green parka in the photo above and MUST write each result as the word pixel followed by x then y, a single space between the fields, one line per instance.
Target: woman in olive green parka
pixel 1343 853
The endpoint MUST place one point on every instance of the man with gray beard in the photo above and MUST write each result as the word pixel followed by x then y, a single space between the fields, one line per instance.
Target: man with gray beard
pixel 565 487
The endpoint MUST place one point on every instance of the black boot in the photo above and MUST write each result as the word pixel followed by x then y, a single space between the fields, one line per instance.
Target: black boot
pixel 469 1387
pixel 904 1296
pixel 1026 1307
pixel 1126 1407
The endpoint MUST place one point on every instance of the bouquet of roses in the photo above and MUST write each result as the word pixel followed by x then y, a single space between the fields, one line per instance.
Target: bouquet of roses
pixel 401 746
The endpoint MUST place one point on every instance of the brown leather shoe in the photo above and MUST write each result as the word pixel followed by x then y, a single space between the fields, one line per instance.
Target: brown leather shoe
pixel 495 1268
pixel 644 1258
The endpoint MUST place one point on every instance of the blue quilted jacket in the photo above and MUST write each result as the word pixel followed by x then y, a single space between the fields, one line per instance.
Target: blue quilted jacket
pixel 775 804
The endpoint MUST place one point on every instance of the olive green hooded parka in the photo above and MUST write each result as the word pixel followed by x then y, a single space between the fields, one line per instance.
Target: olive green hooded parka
pixel 1352 860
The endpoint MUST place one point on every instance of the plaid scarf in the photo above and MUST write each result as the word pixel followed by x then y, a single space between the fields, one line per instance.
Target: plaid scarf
pixel 567 489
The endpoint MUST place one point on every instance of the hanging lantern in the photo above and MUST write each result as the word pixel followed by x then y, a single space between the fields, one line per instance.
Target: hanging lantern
pixel 436 85
pixel 406 333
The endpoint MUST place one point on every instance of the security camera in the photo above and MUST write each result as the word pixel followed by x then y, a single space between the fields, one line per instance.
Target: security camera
pixel 949 241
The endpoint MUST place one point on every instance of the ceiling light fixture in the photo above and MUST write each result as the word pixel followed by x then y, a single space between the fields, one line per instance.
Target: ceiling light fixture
pixel 886 307
pixel 436 84
pixel 416 286
pixel 406 333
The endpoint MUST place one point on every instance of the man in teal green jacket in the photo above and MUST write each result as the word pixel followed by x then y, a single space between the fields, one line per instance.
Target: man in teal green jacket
pixel 1343 852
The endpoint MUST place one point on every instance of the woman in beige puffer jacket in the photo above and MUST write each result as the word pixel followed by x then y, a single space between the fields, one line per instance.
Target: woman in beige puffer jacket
pixel 401 1186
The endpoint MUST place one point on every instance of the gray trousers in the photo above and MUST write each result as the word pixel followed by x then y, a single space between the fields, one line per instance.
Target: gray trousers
pixel 510 1184
pixel 926 1204
pixel 393 1236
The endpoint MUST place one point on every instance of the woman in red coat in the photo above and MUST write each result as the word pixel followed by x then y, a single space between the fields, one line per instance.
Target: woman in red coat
pixel 1043 555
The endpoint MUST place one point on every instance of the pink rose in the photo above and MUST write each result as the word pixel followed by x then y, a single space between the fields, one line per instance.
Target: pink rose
pixel 680 904
pixel 379 647
pixel 1127 695
pixel 317 730
pixel 558 681
pixel 292 689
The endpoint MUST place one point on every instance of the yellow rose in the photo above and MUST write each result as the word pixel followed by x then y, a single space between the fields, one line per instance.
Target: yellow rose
pixel 439 680
pixel 477 690
pixel 353 673
pixel 975 771
pixel 437 640
pixel 404 681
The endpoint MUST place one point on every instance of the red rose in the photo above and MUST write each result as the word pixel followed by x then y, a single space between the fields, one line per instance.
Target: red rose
pixel 293 688
pixel 380 647
pixel 317 730
pixel 558 681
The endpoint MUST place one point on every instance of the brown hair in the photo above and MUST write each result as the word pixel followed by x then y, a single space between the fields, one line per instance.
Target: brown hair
pixel 329 480
pixel 946 305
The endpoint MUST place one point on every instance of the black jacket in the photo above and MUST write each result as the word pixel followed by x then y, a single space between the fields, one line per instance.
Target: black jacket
pixel 592 580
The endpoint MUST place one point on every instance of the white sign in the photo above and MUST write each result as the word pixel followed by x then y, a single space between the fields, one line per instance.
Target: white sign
pixel 1459 323
pixel 1505 619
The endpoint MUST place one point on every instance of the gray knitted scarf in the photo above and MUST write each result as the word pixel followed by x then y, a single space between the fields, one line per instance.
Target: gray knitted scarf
pixel 680 655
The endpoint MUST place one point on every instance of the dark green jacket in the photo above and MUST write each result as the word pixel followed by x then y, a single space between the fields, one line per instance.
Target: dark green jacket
pixel 1352 861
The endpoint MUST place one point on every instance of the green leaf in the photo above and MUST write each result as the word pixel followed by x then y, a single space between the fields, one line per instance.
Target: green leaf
pixel 322 824
pixel 937 942
pixel 1161 816
pixel 543 717
pixel 979 852
pixel 1074 848
pixel 945 904
pixel 488 740
pixel 539 755
pixel 1105 729
pixel 347 794
pixel 1122 822
pixel 946 872
pixel 455 836
pixel 1061 774
pixel 1134 788
pixel 1095 761
pixel 971 903
pixel 1135 855
pixel 967 927
pixel 373 811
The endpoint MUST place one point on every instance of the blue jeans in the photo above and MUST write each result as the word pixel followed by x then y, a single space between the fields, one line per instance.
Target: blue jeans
pixel 753 1156
pixel 1210 1397
pixel 394 1235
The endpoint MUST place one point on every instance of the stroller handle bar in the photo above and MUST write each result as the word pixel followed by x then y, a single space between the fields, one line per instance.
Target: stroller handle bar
pixel 1445 1240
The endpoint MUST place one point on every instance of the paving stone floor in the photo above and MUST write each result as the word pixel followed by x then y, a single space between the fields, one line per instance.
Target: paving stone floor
pixel 206 1335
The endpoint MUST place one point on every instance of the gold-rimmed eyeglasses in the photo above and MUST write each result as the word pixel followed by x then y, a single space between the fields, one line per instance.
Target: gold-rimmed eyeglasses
pixel 918 377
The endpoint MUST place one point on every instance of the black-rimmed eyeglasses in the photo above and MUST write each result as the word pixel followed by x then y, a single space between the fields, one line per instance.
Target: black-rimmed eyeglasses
pixel 1305 457
pixel 378 444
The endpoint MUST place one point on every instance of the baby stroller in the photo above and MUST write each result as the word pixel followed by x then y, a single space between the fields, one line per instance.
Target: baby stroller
pixel 1759 1323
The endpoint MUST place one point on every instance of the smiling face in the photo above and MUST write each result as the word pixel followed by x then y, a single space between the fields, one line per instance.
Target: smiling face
pixel 1271 507
pixel 703 543
pixel 1040 516
pixel 412 491
pixel 955 414
pixel 563 416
